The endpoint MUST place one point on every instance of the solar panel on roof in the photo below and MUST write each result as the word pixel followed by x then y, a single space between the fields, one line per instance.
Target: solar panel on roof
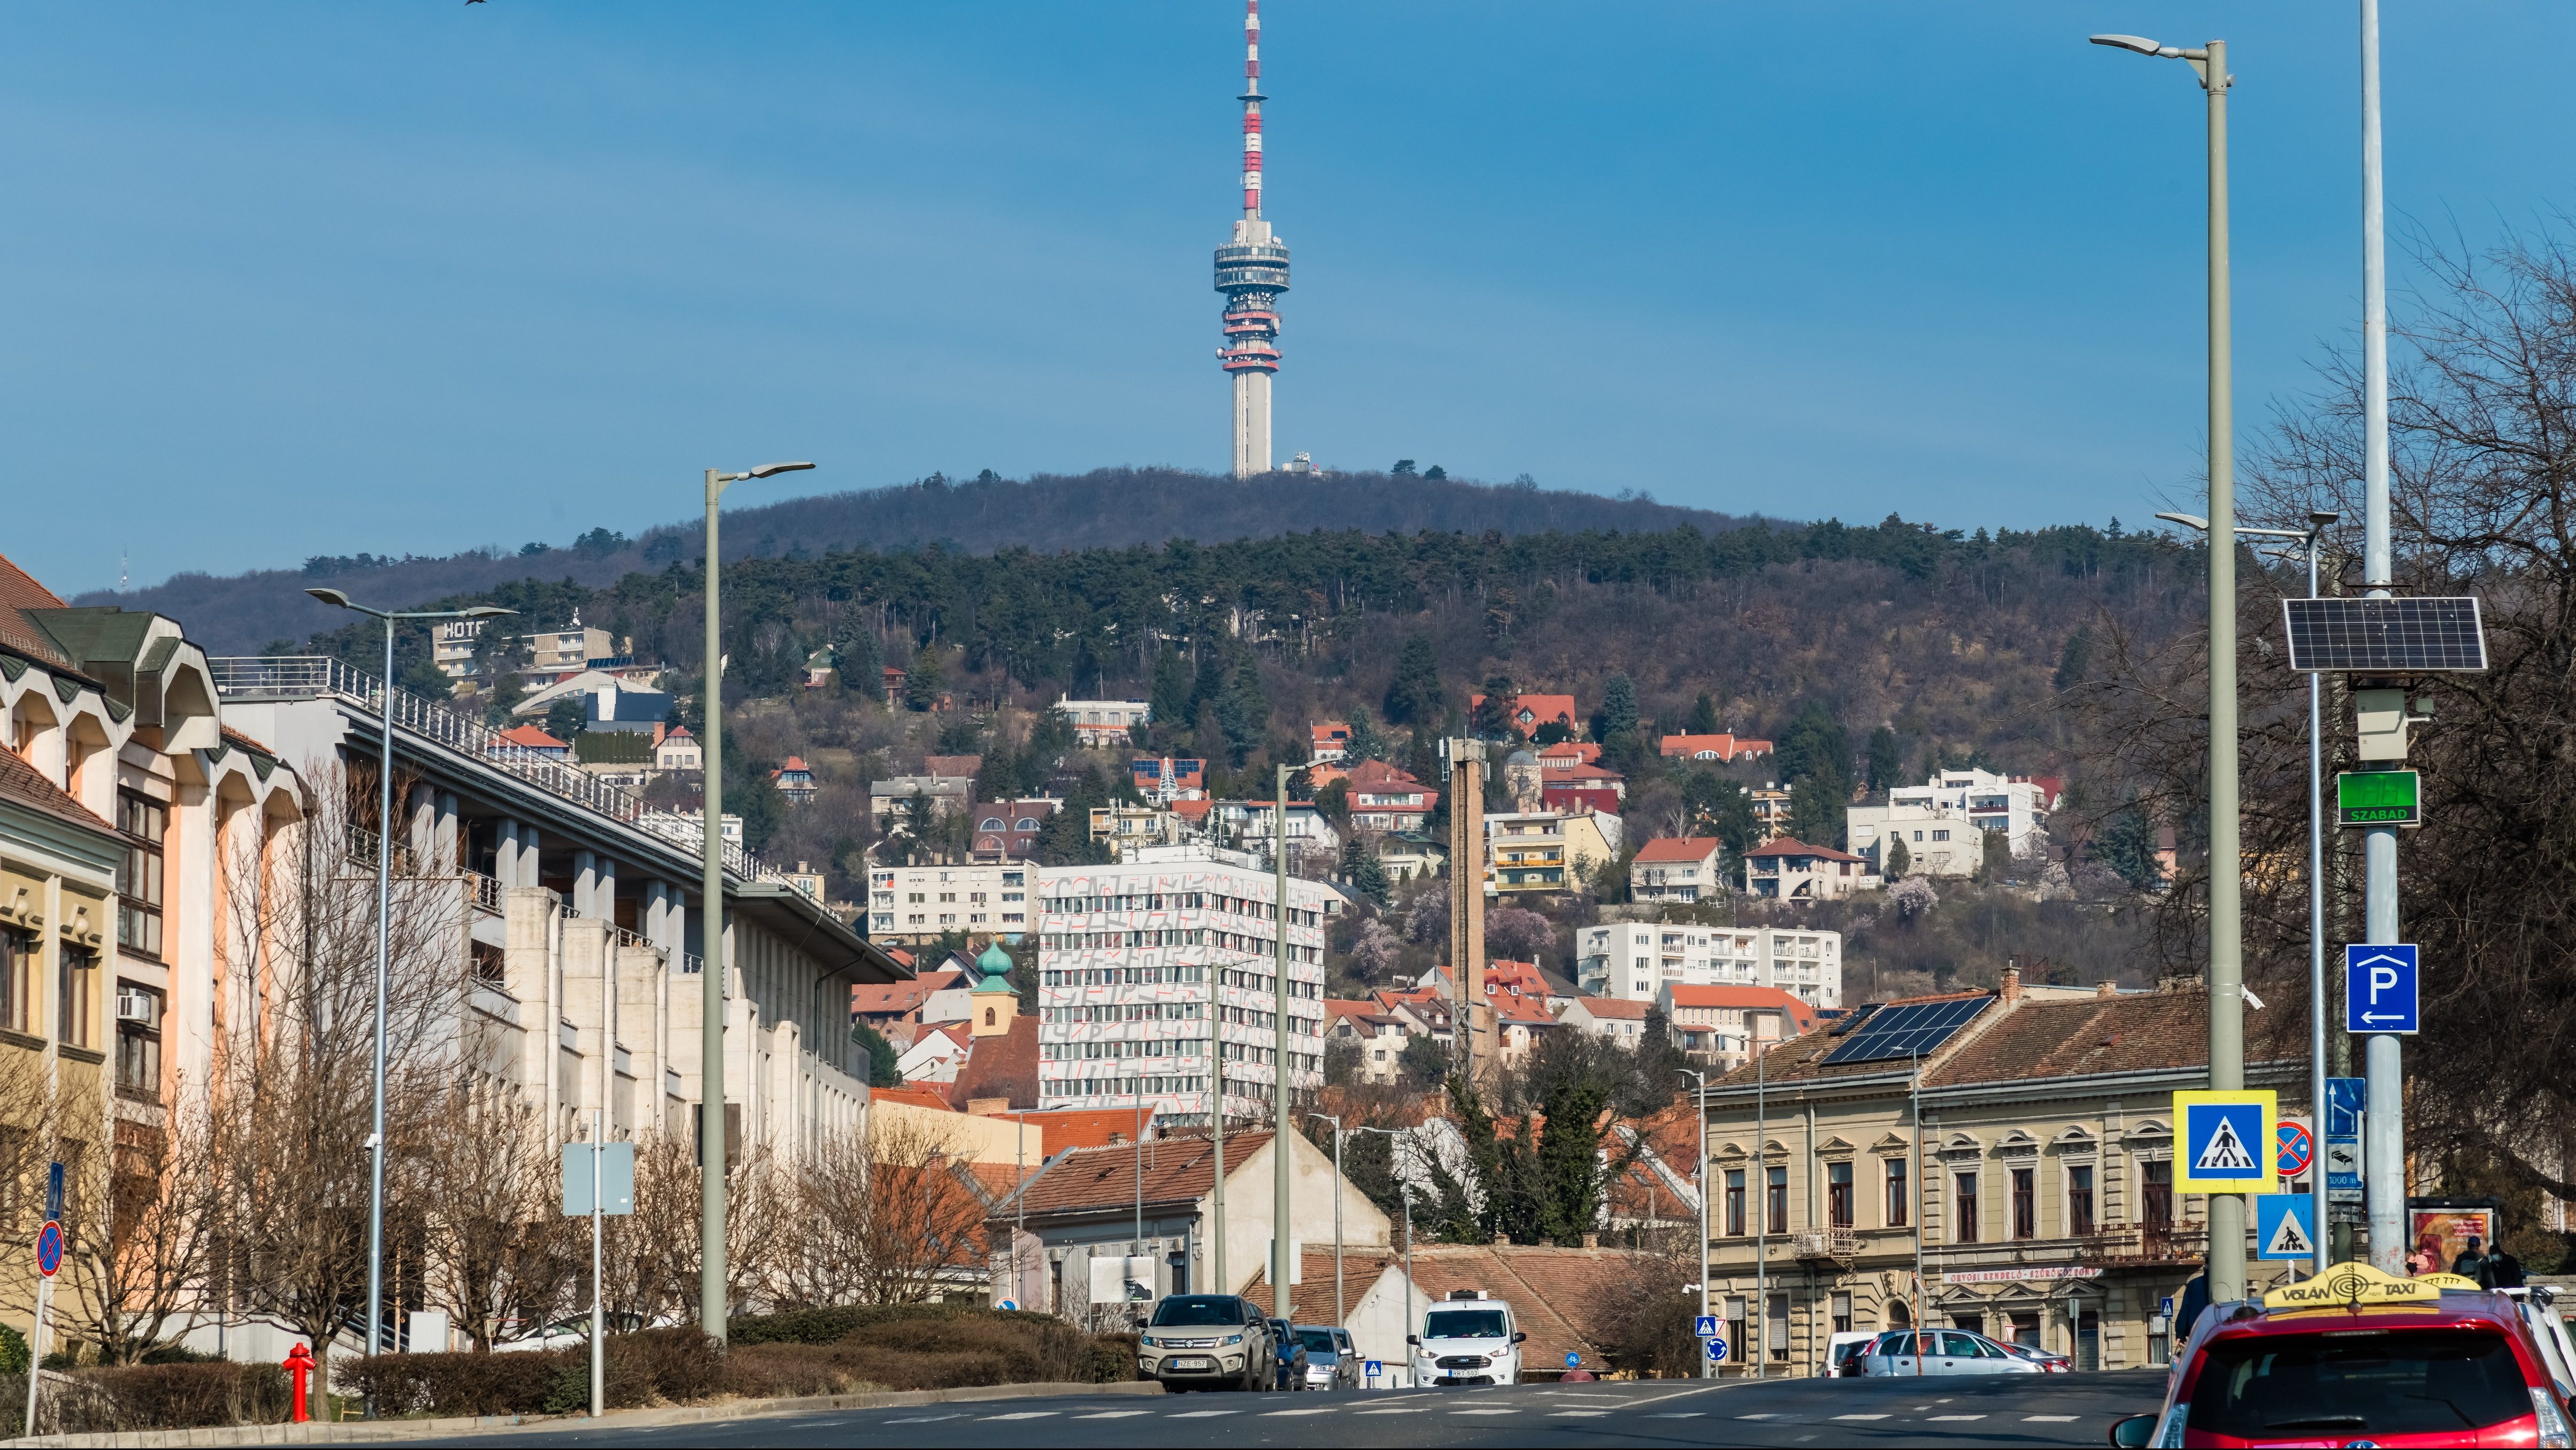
pixel 1912 1029
pixel 2385 636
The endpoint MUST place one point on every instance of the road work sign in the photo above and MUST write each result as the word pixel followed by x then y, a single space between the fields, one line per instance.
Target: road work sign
pixel 2226 1141
pixel 2379 989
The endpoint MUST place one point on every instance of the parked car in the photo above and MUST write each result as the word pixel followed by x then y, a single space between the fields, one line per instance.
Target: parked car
pixel 2539 1307
pixel 1941 1351
pixel 1291 1361
pixel 1468 1338
pixel 2463 1370
pixel 573 1333
pixel 1208 1341
pixel 1843 1352
pixel 2048 1360
pixel 1332 1361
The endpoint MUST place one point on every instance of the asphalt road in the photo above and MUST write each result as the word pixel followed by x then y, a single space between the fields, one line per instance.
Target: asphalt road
pixel 1985 1410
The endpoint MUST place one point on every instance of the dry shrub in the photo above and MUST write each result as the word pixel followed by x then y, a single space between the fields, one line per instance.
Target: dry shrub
pixel 462 1383
pixel 159 1397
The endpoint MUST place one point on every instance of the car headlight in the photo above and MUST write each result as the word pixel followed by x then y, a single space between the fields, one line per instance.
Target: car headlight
pixel 1234 1339
pixel 1147 1341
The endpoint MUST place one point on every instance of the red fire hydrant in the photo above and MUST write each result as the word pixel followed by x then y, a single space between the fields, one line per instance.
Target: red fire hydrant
pixel 299 1363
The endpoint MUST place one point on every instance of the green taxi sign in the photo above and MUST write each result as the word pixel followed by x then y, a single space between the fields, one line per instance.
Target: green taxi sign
pixel 2378 798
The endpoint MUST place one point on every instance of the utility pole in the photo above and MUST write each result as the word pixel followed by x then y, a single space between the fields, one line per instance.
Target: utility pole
pixel 1699 1107
pixel 2383 1152
pixel 1283 1115
pixel 1216 1117
pixel 1466 761
pixel 1761 1327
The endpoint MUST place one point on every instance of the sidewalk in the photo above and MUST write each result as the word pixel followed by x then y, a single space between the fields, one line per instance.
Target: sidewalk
pixel 355 1432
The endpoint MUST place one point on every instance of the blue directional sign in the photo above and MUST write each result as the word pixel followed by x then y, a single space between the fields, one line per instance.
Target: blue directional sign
pixel 1716 1349
pixel 2379 988
pixel 2345 1098
pixel 1572 1359
pixel 1705 1327
pixel 2284 1226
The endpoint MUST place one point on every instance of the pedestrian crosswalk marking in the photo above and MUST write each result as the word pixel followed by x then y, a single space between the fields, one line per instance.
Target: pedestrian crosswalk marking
pixel 1484 1412
pixel 1200 1414
pixel 1958 1417
pixel 2225 1153
pixel 1318 1410
pixel 2046 1419
pixel 1022 1415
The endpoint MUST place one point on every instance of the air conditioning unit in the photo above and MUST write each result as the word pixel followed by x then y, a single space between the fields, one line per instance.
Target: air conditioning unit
pixel 134 1007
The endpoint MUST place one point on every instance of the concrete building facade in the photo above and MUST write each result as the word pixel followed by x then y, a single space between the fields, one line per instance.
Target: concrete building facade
pixel 915 904
pixel 1637 959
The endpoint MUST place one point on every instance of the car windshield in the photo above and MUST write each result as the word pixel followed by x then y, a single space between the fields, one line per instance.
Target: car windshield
pixel 2385 1382
pixel 1317 1341
pixel 1199 1309
pixel 1464 1324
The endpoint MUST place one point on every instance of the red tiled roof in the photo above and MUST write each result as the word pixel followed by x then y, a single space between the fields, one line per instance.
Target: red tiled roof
pixel 1002 1067
pixel 1191 810
pixel 20 591
pixel 1787 846
pixel 1062 1128
pixel 533 738
pixel 1563 1299
pixel 1542 708
pixel 1176 1170
pixel 22 784
pixel 1620 1008
pixel 919 1097
pixel 1582 774
pixel 951 766
pixel 1568 752
pixel 1374 774
pixel 1723 746
pixel 1686 994
pixel 876 998
pixel 1677 848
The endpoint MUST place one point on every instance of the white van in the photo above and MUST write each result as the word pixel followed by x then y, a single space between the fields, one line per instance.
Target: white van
pixel 1468 1338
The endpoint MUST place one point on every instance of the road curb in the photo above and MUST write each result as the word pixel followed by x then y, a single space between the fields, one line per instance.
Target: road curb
pixel 354 1432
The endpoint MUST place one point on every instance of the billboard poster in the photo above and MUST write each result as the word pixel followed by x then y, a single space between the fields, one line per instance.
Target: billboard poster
pixel 2440 1235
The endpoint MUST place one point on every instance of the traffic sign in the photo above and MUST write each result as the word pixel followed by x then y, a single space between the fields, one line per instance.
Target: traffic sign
pixel 1705 1327
pixel 2226 1141
pixel 1716 1349
pixel 2292 1149
pixel 1008 1304
pixel 2345 1098
pixel 49 1247
pixel 2284 1226
pixel 53 1191
pixel 2164 1307
pixel 2378 798
pixel 1572 1359
pixel 2379 988
pixel 2343 1170
pixel 616 1173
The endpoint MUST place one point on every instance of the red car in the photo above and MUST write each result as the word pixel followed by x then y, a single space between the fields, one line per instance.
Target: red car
pixel 2457 1369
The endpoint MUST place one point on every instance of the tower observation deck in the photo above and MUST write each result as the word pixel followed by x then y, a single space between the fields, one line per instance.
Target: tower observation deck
pixel 1251 270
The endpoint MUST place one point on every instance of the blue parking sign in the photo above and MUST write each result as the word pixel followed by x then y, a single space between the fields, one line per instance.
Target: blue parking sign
pixel 2379 988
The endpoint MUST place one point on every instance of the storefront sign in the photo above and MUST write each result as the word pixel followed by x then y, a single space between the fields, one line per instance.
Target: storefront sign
pixel 2023 1275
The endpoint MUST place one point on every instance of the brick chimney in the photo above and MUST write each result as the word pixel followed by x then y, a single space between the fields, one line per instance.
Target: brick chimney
pixel 2012 980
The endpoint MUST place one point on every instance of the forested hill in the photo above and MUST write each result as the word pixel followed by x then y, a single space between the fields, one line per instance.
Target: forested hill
pixel 1960 640
pixel 1106 508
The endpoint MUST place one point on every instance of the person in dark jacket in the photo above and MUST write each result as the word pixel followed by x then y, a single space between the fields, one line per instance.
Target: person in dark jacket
pixel 2505 1268
pixel 2472 1264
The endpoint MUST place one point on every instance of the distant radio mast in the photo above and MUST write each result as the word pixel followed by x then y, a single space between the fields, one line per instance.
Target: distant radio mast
pixel 1251 270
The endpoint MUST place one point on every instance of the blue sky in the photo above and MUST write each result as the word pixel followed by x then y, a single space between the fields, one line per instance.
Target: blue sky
pixel 283 278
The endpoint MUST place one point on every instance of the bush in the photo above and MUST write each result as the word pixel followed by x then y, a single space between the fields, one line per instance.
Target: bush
pixel 462 1383
pixel 159 1397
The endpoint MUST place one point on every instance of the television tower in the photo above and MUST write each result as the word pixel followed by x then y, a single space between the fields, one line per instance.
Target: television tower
pixel 1251 270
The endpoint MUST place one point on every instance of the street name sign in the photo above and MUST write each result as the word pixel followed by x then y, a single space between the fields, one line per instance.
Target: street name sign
pixel 2379 988
pixel 2226 1141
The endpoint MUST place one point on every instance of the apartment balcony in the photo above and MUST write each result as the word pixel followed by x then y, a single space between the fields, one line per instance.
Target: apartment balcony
pixel 1841 1245
pixel 2144 1245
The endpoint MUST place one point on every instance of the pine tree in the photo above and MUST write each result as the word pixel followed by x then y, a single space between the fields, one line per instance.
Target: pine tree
pixel 923 681
pixel 1897 860
pixel 1618 709
pixel 1885 760
pixel 1703 719
pixel 1171 697
pixel 1413 697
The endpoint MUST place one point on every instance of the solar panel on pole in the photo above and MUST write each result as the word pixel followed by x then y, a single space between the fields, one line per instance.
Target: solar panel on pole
pixel 2385 636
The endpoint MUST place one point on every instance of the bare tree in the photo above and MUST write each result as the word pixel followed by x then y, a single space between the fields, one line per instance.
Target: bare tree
pixel 909 1223
pixel 141 1230
pixel 499 1256
pixel 293 1100
pixel 651 1255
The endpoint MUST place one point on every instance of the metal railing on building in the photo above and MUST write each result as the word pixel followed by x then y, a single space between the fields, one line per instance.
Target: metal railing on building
pixel 306 677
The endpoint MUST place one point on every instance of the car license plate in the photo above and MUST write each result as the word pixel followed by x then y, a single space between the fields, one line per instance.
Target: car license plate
pixel 1190 1361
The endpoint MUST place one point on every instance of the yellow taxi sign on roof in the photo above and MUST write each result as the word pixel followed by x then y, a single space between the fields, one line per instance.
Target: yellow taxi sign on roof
pixel 2353 1285
pixel 2449 1281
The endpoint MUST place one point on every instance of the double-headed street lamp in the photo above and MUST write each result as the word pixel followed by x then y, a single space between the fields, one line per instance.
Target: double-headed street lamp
pixel 711 961
pixel 2312 535
pixel 384 918
pixel 2226 901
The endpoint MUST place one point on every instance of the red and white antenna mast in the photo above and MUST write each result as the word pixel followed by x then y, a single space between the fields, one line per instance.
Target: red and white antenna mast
pixel 1251 270
pixel 1252 108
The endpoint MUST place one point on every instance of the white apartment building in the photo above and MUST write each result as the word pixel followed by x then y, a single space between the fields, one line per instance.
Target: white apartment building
pixel 1944 821
pixel 1126 954
pixel 1104 722
pixel 1637 959
pixel 917 903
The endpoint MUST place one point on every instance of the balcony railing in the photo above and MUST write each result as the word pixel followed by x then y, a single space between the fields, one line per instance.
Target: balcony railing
pixel 1832 1243
pixel 307 677
pixel 2159 1243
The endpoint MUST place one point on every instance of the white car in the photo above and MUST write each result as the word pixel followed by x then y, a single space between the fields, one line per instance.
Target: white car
pixel 1468 1338
pixel 1941 1351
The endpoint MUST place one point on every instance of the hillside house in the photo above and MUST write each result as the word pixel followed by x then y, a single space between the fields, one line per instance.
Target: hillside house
pixel 1785 869
pixel 1682 868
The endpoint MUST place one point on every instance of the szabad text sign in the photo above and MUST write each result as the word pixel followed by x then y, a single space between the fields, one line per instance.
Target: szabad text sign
pixel 616 1166
pixel 2379 989
pixel 2378 798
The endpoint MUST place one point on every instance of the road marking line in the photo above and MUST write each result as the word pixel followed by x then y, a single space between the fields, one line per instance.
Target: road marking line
pixel 1112 1414
pixel 1958 1417
pixel 1202 1414
pixel 1576 1414
pixel 1765 1415
pixel 2047 1419
pixel 1860 1417
pixel 1484 1412
pixel 1022 1415
pixel 1398 1410
pixel 926 1419
pixel 1318 1410
pixel 1677 1415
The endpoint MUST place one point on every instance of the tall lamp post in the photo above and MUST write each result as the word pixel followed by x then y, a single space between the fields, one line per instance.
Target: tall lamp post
pixel 1339 1313
pixel 1699 1175
pixel 2226 905
pixel 2312 536
pixel 711 926
pixel 384 921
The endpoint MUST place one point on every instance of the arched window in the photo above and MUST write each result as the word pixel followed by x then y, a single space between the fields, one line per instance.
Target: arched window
pixel 1027 823
pixel 988 1017
pixel 992 823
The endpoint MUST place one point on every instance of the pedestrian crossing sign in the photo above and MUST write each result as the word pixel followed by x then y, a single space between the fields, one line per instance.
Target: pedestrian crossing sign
pixel 2281 1227
pixel 2223 1142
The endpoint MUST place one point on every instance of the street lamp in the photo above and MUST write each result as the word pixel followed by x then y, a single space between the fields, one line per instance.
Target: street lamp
pixel 711 963
pixel 1335 1120
pixel 2226 896
pixel 384 920
pixel 1699 1175
pixel 2318 520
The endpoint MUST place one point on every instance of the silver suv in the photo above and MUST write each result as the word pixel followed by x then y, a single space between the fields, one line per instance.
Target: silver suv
pixel 1208 1341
